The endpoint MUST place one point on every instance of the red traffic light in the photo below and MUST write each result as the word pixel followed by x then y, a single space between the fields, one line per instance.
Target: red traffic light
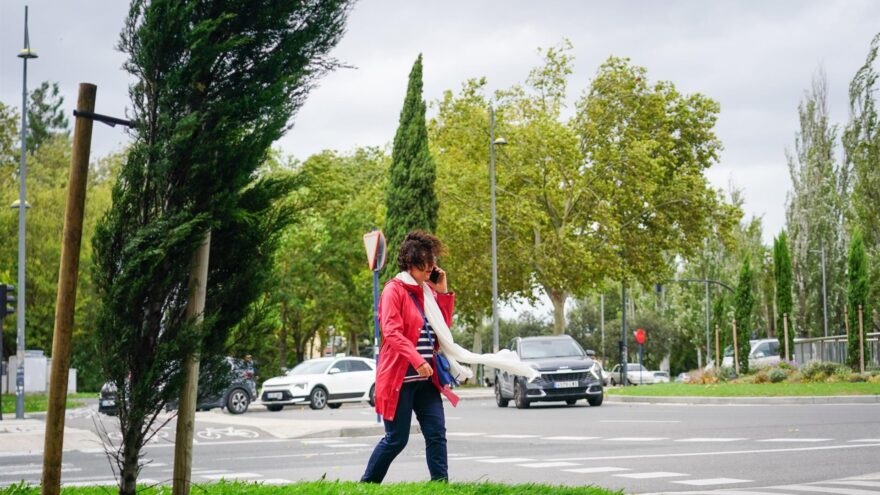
pixel 640 336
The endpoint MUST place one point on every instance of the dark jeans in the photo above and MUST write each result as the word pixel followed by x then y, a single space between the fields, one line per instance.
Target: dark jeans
pixel 423 399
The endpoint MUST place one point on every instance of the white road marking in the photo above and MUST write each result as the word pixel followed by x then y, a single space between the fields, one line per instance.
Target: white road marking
pixel 795 440
pixel 472 458
pixel 723 452
pixel 869 440
pixel 463 434
pixel 345 445
pixel 636 439
pixel 511 436
pixel 650 475
pixel 596 470
pixel 105 482
pixel 548 464
pixel 321 441
pixel 637 421
pixel 712 481
pixel 155 465
pixel 710 439
pixel 20 469
pixel 576 439
pixel 824 489
pixel 232 476
pixel 869 484
pixel 717 492
pixel 506 460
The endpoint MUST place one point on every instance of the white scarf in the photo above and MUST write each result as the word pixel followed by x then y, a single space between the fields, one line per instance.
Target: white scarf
pixel 504 359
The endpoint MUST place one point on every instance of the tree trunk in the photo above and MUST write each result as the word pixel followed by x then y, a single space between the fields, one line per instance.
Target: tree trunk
pixel 558 297
pixel 353 344
pixel 130 457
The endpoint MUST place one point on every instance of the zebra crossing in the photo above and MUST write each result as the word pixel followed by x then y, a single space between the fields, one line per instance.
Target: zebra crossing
pixel 856 485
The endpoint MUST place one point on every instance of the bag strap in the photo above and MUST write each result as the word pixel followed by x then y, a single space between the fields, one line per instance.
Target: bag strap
pixel 424 318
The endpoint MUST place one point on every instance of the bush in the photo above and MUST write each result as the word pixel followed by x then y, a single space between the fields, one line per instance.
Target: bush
pixel 818 371
pixel 857 377
pixel 777 375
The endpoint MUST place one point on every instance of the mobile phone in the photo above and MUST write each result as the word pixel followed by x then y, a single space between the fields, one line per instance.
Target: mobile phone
pixel 435 276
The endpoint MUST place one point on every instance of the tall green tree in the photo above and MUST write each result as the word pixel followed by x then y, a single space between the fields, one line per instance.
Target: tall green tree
pixel 46 116
pixel 214 86
pixel 744 302
pixel 783 276
pixel 815 215
pixel 857 297
pixel 861 143
pixel 410 200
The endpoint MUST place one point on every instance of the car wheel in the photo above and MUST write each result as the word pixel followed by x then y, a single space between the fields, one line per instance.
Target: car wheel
pixel 571 402
pixel 373 396
pixel 596 401
pixel 613 383
pixel 499 399
pixel 519 396
pixel 318 398
pixel 238 401
pixel 336 405
pixel 275 407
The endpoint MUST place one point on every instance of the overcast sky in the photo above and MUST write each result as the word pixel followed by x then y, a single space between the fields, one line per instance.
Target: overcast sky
pixel 755 57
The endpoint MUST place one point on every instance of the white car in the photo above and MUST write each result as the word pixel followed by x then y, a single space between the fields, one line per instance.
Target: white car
pixel 322 382
pixel 661 377
pixel 636 374
pixel 765 352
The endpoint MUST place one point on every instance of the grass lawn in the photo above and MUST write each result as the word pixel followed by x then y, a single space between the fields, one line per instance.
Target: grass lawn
pixel 335 487
pixel 38 402
pixel 749 389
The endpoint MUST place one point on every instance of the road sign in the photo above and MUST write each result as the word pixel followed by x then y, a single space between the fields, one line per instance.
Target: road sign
pixel 374 243
pixel 640 336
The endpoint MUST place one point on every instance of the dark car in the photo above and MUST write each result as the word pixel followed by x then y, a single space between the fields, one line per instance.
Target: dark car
pixel 239 391
pixel 567 373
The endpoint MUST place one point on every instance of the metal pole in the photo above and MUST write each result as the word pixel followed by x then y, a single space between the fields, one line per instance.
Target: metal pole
pixel 623 358
pixel 861 341
pixel 824 291
pixel 20 345
pixel 602 321
pixel 376 325
pixel 708 338
pixel 494 241
pixel 68 276
pixel 735 350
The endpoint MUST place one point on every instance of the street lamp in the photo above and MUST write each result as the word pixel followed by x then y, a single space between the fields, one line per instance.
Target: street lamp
pixel 492 144
pixel 25 54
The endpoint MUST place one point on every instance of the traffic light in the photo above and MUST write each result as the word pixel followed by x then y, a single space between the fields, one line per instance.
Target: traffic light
pixel 7 300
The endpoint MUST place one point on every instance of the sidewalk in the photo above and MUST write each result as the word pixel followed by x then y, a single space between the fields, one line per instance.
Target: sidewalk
pixel 26 437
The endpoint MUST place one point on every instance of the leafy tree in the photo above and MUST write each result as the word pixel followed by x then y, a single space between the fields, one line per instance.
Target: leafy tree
pixel 744 302
pixel 410 201
pixel 815 214
pixel 215 86
pixel 861 143
pixel 783 276
pixel 857 296
pixel 46 116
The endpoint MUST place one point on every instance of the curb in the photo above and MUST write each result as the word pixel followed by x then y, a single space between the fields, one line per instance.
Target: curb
pixel 825 399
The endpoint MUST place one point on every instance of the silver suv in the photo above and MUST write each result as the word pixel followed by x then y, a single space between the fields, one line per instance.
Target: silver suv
pixel 567 373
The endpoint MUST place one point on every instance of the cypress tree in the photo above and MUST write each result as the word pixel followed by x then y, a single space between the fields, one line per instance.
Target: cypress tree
pixel 857 294
pixel 215 84
pixel 744 302
pixel 784 302
pixel 410 200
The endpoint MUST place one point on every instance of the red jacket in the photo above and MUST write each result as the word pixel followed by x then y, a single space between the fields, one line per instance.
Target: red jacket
pixel 400 323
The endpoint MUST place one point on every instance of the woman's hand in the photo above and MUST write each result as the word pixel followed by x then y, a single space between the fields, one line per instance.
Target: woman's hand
pixel 440 286
pixel 425 370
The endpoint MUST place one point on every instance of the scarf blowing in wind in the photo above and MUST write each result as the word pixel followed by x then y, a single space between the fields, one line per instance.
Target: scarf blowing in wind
pixel 504 359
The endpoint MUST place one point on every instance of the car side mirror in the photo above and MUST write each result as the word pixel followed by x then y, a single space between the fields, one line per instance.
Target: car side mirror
pixel 333 371
pixel 591 353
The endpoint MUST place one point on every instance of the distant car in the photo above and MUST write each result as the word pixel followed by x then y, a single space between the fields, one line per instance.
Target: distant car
pixel 636 374
pixel 322 382
pixel 683 377
pixel 567 373
pixel 764 352
pixel 240 390
pixel 661 377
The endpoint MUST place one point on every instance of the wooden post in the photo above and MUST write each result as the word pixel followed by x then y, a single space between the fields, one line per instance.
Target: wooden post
pixel 186 411
pixel 861 342
pixel 66 298
pixel 785 335
pixel 717 345
pixel 846 319
pixel 735 349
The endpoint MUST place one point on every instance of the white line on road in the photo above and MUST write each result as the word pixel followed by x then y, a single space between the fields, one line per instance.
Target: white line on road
pixel 463 434
pixel 346 445
pixel 723 452
pixel 506 460
pixel 472 458
pixel 712 481
pixel 650 475
pixel 636 439
pixel 824 489
pixel 638 421
pixel 709 439
pixel 869 440
pixel 716 492
pixel 795 440
pixel 869 484
pixel 511 436
pixel 548 464
pixel 576 439
pixel 321 441
pixel 593 470
pixel 232 476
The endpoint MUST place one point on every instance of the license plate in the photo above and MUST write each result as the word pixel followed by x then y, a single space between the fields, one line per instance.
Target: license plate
pixel 108 403
pixel 273 395
pixel 566 384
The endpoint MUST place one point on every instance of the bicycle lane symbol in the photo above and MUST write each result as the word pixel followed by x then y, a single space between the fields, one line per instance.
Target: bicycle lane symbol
pixel 211 433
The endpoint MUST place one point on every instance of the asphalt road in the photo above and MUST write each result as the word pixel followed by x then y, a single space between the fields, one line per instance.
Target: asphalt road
pixel 740 450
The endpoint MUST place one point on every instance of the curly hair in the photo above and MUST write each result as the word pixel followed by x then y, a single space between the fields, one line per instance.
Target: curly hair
pixel 418 249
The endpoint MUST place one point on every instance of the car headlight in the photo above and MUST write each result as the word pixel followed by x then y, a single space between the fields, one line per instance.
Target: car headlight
pixel 300 386
pixel 596 371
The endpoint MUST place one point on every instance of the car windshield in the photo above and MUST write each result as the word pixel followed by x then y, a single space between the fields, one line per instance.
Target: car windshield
pixel 635 367
pixel 550 348
pixel 310 368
